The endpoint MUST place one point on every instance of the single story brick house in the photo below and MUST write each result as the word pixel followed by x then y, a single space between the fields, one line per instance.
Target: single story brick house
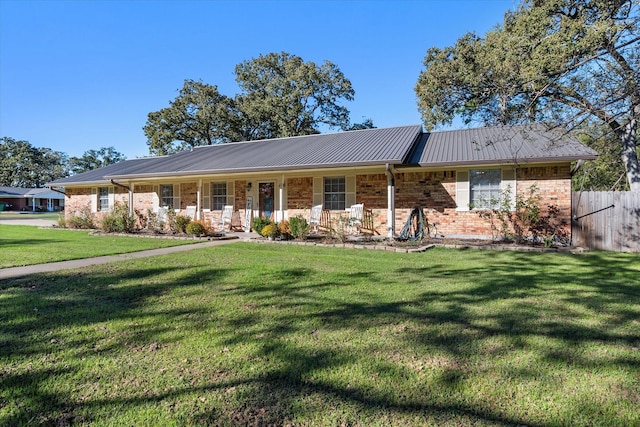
pixel 30 199
pixel 450 174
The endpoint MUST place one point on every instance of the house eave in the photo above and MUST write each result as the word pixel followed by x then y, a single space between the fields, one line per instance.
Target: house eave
pixel 515 162
pixel 237 171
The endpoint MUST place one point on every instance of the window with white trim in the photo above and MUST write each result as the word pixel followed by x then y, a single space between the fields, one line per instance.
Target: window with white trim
pixel 218 195
pixel 166 196
pixel 485 188
pixel 103 199
pixel 334 193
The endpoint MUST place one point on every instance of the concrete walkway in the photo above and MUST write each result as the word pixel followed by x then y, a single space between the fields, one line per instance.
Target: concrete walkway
pixel 13 272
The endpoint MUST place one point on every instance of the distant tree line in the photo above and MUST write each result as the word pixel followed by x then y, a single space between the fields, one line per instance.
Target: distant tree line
pixel 26 166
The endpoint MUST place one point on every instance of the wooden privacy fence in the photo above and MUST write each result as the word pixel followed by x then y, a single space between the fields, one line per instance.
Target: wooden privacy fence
pixel 606 220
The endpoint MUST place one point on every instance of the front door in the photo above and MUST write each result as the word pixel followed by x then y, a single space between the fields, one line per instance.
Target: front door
pixel 266 199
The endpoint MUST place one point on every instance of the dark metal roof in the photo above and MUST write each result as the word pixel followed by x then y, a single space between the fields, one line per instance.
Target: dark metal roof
pixel 98 176
pixel 353 148
pixel 498 145
pixel 405 145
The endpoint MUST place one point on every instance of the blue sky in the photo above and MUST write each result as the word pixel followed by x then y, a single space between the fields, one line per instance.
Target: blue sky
pixel 79 75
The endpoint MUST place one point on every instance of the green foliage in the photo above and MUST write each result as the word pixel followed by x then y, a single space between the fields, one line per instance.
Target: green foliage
pixel 61 221
pixel 366 124
pixel 118 220
pixel 287 96
pixel 270 230
pixel 23 165
pixel 82 218
pixel 258 223
pixel 542 65
pixel 199 115
pixel 299 227
pixel 153 222
pixel 196 228
pixel 182 221
pixel 94 159
pixel 281 95
pixel 607 172
pixel 525 222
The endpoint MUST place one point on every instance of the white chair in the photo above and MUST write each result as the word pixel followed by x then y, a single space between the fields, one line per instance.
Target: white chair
pixel 225 217
pixel 190 211
pixel 355 217
pixel 314 218
pixel 162 214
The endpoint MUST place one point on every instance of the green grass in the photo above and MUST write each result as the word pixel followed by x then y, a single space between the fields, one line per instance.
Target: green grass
pixel 26 245
pixel 49 216
pixel 247 334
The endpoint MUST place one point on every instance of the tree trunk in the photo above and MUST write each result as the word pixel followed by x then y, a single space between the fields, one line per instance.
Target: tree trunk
pixel 629 153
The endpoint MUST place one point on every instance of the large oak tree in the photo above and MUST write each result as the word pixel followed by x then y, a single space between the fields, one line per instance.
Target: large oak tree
pixel 565 62
pixel 199 115
pixel 281 95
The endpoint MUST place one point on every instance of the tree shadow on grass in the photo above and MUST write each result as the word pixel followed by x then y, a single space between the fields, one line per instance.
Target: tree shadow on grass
pixel 529 296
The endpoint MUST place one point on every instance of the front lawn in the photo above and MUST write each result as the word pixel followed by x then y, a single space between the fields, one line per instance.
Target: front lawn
pixel 48 216
pixel 247 334
pixel 27 245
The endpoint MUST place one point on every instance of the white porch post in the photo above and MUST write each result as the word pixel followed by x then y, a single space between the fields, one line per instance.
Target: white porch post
pixel 391 194
pixel 198 199
pixel 131 210
pixel 280 197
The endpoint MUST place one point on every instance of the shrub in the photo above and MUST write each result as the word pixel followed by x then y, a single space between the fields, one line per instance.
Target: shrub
pixel 62 221
pixel 141 219
pixel 81 219
pixel 119 220
pixel 195 228
pixel 154 223
pixel 285 229
pixel 182 221
pixel 526 222
pixel 299 227
pixel 258 223
pixel 270 230
pixel 171 220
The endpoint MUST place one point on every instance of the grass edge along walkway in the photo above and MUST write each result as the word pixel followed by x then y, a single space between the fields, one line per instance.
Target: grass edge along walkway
pixel 14 272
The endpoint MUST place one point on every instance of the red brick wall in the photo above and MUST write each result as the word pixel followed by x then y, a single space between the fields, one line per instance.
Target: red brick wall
pixel 188 194
pixel 143 198
pixel 434 191
pixel 77 199
pixel 299 193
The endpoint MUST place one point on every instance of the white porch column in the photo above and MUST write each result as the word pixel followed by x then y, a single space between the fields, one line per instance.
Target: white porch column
pixel 198 199
pixel 131 209
pixel 280 197
pixel 391 198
